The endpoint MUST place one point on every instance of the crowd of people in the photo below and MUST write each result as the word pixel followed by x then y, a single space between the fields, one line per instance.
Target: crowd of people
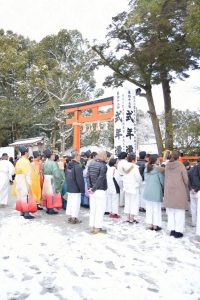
pixel 103 183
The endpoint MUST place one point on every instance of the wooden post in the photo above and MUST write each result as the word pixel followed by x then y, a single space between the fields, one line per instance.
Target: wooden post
pixel 77 131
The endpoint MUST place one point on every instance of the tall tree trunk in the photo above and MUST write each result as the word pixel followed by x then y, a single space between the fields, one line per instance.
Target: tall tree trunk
pixel 12 133
pixel 62 138
pixel 168 112
pixel 53 139
pixel 155 121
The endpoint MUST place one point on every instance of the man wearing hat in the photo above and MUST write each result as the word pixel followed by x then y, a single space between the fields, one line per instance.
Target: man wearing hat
pixel 23 182
pixel 6 172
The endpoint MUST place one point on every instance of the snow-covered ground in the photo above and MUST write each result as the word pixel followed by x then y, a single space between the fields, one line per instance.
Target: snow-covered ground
pixel 47 258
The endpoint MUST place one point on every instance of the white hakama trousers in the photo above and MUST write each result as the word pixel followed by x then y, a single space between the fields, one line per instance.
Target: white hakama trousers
pixel 142 200
pixel 97 208
pixel 193 207
pixel 132 202
pixel 73 204
pixel 154 213
pixel 198 215
pixel 176 219
pixel 4 188
pixel 112 203
pixel 121 198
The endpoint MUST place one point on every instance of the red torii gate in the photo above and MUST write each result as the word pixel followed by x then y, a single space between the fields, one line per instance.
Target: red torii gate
pixel 95 115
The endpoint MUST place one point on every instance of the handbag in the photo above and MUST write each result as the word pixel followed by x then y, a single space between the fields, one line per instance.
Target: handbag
pixel 29 205
pixel 54 201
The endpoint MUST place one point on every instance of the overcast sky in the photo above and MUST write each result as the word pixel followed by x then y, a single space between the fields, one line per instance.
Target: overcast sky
pixel 38 18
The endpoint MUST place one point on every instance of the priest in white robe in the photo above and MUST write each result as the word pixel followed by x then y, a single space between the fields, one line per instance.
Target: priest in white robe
pixel 7 170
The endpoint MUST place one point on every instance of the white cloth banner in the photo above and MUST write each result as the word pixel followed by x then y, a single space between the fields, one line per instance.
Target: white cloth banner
pixel 125 138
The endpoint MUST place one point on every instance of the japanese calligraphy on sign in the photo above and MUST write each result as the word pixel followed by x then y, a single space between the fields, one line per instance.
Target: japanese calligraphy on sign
pixel 125 137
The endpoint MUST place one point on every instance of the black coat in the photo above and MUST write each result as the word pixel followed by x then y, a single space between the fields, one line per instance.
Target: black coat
pixel 96 175
pixel 141 163
pixel 74 177
pixel 194 177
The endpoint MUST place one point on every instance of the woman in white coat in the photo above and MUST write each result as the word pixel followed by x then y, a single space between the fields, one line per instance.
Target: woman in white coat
pixel 132 182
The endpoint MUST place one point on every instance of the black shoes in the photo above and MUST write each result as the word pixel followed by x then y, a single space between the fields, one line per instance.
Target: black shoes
pixel 157 228
pixel 133 222
pixel 51 211
pixel 26 215
pixel 175 234
pixel 172 233
pixel 178 235
pixel 141 209
pixel 39 207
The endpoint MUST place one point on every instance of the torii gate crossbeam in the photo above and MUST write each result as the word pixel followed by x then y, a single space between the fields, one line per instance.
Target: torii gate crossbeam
pixel 79 118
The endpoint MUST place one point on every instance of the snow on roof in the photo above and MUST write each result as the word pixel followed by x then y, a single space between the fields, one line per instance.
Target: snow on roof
pixel 84 149
pixel 29 141
pixel 72 105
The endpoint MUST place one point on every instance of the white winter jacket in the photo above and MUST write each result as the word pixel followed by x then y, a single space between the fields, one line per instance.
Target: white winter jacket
pixel 132 180
pixel 121 166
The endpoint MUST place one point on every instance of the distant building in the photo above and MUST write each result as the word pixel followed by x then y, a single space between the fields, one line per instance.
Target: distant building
pixel 150 148
pixel 33 144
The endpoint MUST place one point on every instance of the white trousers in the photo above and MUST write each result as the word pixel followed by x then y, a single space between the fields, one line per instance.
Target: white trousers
pixel 198 215
pixel 97 208
pixel 4 189
pixel 193 207
pixel 142 200
pixel 132 202
pixel 112 203
pixel 176 219
pixel 121 198
pixel 153 213
pixel 73 204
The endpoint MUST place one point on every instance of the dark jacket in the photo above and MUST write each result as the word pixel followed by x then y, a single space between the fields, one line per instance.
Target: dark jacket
pixel 96 175
pixel 194 177
pixel 74 177
pixel 141 163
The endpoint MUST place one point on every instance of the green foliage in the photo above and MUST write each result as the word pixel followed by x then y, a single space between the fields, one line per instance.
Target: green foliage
pixel 192 25
pixel 147 46
pixel 64 71
pixel 160 27
pixel 186 128
pixel 14 101
pixel 35 79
